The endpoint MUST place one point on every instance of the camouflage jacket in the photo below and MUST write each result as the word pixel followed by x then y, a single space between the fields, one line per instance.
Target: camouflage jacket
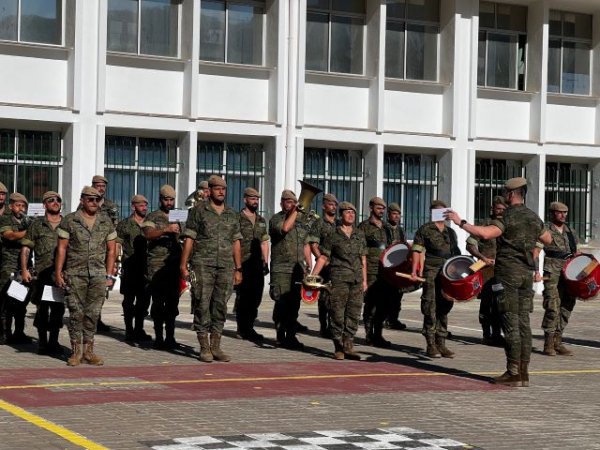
pixel 345 254
pixel 42 239
pixel 394 234
pixel 11 250
pixel 556 254
pixel 214 234
pixel 253 235
pixel 131 237
pixel 437 245
pixel 487 247
pixel 86 254
pixel 164 250
pixel 287 249
pixel 320 229
pixel 377 240
pixel 109 208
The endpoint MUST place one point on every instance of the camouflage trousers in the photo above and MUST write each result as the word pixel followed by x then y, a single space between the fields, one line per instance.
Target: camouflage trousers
pixel 286 294
pixel 210 310
pixel 434 307
pixel 558 304
pixel 514 294
pixel 345 302
pixel 84 299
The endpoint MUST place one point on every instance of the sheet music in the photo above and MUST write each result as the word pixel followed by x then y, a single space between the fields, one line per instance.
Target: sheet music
pixel 17 291
pixel 53 294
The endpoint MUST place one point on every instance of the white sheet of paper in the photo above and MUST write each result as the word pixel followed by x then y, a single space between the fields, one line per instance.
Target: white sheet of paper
pixel 438 214
pixel 178 215
pixel 17 291
pixel 36 209
pixel 53 294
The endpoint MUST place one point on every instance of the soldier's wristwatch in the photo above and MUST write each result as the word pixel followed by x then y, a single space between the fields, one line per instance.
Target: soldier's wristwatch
pixel 238 269
pixel 462 223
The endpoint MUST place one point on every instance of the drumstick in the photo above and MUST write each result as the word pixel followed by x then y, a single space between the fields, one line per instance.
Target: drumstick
pixel 477 265
pixel 409 276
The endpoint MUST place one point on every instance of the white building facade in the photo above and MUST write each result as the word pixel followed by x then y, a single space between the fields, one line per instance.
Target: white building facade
pixel 406 99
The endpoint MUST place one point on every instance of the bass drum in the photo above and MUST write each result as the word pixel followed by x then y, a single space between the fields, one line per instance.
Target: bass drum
pixel 396 258
pixel 459 283
pixel 582 276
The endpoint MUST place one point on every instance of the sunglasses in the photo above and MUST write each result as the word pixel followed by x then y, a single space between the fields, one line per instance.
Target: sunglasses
pixel 53 200
pixel 92 199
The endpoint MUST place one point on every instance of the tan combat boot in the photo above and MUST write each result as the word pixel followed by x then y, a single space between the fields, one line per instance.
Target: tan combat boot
pixel 349 351
pixel 205 354
pixel 89 357
pixel 75 358
pixel 440 343
pixel 524 371
pixel 560 347
pixel 215 348
pixel 511 377
pixel 432 351
pixel 339 350
pixel 549 344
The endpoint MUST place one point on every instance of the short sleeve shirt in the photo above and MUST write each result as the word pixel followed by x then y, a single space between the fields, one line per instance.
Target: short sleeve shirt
pixel 345 254
pixel 42 239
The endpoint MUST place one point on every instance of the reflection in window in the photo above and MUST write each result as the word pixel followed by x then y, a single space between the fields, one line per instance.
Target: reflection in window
pixel 38 21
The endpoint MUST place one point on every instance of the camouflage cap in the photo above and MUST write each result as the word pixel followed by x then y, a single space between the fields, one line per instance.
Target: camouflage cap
pixel 16 197
pixel 90 191
pixel 167 191
pixel 3 188
pixel 216 180
pixel 287 194
pixel 50 194
pixel 139 198
pixel 344 206
pixel 559 207
pixel 435 204
pixel 377 201
pixel 99 179
pixel 251 192
pixel 499 200
pixel 394 207
pixel 330 198
pixel 203 185
pixel 515 183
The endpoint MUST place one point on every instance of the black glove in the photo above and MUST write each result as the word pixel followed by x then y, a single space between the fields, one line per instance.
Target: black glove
pixel 265 269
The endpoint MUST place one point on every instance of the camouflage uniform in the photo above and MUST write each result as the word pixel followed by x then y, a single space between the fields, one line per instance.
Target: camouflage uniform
pixel 249 292
pixel 438 246
pixel 136 299
pixel 394 234
pixel 109 208
pixel 85 271
pixel 212 263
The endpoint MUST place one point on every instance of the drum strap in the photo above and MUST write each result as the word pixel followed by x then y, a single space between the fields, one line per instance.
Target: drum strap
pixel 572 241
pixel 454 250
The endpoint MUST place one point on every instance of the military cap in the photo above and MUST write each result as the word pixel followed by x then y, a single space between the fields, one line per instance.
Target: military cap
pixel 435 204
pixel 16 197
pixel 515 183
pixel 346 205
pixel 99 179
pixel 377 201
pixel 394 207
pixel 559 206
pixel 288 195
pixel 330 198
pixel 139 198
pixel 167 191
pixel 203 185
pixel 251 192
pixel 3 188
pixel 216 180
pixel 499 200
pixel 50 194
pixel 90 191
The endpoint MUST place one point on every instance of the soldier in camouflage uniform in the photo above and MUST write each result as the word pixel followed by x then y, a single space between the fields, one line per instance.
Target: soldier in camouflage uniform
pixel 516 233
pixel 345 249
pixel 376 297
pixel 558 304
pixel 485 250
pixel 289 230
pixel 3 194
pixel 255 265
pixel 395 234
pixel 136 299
pixel 162 268
pixel 321 228
pixel 86 251
pixel 434 244
pixel 42 238
pixel 217 264
pixel 13 228
pixel 200 194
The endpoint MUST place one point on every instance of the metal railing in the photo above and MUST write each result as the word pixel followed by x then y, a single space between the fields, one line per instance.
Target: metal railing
pixel 490 176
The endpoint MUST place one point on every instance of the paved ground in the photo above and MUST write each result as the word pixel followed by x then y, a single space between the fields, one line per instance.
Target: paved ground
pixel 145 398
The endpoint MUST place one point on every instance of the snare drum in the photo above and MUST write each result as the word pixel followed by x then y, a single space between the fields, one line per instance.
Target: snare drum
pixel 582 276
pixel 459 283
pixel 396 258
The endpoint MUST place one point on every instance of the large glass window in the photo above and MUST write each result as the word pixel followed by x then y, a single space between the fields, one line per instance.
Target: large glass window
pixel 502 45
pixel 490 176
pixel 340 172
pixel 335 35
pixel 241 165
pixel 38 21
pixel 232 32
pixel 411 181
pixel 411 39
pixel 148 27
pixel 136 165
pixel 30 162
pixel 569 55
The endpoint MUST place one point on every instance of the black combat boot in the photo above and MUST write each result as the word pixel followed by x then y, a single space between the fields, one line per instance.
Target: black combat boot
pixel 54 347
pixel 432 350
pixel 42 342
pixel 549 349
pixel 440 343
pixel 170 342
pixel 128 319
pixel 159 342
pixel 378 339
pixel 559 347
pixel 511 377
pixel 19 337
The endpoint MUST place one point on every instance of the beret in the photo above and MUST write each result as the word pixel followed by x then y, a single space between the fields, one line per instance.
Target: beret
pixel 16 197
pixel 515 183
pixel 499 200
pixel 437 204
pixel 558 206
pixel 394 207
pixel 203 185
pixel 216 180
pixel 377 201
pixel 167 191
pixel 99 179
pixel 138 198
pixel 330 198
pixel 50 194
pixel 3 188
pixel 251 192
pixel 288 195
pixel 347 205
pixel 92 192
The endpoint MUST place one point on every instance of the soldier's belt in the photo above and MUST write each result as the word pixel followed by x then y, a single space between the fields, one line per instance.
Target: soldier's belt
pixel 372 243
pixel 557 254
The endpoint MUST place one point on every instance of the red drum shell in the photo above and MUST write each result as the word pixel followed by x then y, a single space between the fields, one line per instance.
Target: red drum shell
pixel 309 295
pixel 458 282
pixel 578 284
pixel 184 286
pixel 396 258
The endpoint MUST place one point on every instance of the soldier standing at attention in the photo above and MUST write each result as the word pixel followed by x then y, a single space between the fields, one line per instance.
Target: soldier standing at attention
pixel 217 263
pixel 395 234
pixel 255 265
pixel 376 297
pixel 434 244
pixel 289 262
pixel 136 299
pixel 558 304
pixel 162 274
pixel 42 238
pixel 13 227
pixel 345 250
pixel 516 233
pixel 86 251
pixel 323 226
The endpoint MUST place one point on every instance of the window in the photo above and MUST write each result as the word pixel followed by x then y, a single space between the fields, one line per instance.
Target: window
pixel 147 27
pixel 335 35
pixel 138 166
pixel 340 172
pixel 571 184
pixel 411 39
pixel 569 55
pixel 410 180
pixel 30 162
pixel 38 21
pixel 232 32
pixel 241 165
pixel 490 176
pixel 502 45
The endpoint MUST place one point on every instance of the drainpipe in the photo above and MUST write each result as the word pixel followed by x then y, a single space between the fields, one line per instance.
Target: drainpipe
pixel 291 93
